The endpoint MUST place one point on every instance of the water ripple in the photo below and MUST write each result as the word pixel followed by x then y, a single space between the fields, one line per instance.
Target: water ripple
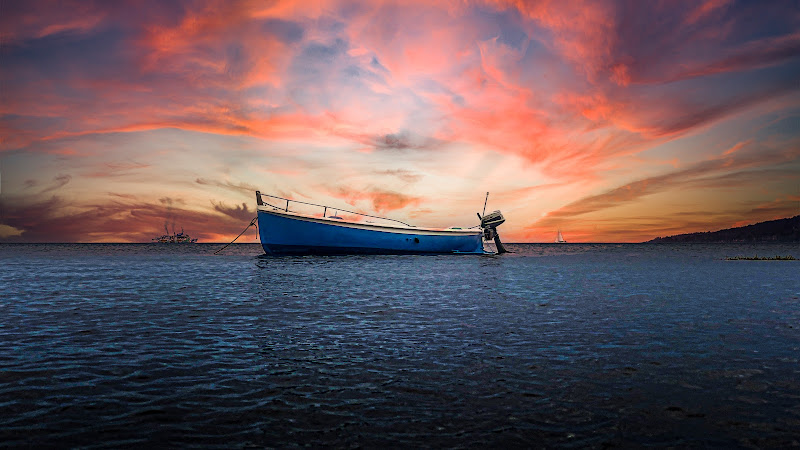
pixel 551 346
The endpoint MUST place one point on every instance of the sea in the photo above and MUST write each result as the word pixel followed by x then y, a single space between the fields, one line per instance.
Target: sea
pixel 551 346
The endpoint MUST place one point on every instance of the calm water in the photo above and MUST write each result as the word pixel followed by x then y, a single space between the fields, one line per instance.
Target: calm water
pixel 552 346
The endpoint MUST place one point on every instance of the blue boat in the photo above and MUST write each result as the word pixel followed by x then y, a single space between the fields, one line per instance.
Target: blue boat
pixel 286 232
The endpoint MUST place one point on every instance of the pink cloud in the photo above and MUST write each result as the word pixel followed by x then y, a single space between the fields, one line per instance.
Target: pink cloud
pixel 26 20
pixel 381 200
pixel 705 9
pixel 582 31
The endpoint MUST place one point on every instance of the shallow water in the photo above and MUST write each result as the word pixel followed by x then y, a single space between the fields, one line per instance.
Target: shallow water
pixel 551 346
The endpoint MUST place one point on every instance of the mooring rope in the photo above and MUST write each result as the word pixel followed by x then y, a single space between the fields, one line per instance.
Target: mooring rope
pixel 252 222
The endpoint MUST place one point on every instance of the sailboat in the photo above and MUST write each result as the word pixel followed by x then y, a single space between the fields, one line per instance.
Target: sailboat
pixel 560 238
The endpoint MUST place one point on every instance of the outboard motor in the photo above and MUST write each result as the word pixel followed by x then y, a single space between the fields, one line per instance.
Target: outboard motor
pixel 489 224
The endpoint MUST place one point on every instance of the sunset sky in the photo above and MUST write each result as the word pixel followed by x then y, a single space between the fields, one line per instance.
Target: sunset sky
pixel 613 121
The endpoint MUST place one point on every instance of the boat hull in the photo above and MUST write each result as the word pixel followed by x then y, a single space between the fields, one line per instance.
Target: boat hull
pixel 288 234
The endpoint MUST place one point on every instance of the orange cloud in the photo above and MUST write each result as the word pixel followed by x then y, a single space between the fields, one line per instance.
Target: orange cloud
pixel 736 170
pixel 382 201
pixel 207 47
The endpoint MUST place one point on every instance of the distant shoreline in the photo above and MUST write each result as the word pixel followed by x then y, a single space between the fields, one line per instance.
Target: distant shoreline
pixel 778 231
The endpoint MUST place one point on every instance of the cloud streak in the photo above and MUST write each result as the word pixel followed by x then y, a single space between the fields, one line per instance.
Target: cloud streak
pixel 58 182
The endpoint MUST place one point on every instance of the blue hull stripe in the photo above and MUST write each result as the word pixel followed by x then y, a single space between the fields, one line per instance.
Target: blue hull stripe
pixel 281 235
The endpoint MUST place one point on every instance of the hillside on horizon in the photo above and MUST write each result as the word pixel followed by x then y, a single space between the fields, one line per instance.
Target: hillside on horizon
pixel 780 230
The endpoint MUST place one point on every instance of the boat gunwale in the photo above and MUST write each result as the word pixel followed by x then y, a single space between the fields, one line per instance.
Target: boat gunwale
pixel 368 226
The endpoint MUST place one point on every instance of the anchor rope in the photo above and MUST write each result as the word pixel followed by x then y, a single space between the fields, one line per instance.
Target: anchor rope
pixel 252 222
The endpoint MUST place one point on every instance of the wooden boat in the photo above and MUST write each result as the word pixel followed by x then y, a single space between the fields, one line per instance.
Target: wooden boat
pixel 286 232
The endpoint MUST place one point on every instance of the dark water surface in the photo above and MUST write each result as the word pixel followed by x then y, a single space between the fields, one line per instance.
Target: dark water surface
pixel 552 346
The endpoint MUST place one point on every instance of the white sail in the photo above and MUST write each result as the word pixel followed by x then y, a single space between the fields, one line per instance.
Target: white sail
pixel 560 238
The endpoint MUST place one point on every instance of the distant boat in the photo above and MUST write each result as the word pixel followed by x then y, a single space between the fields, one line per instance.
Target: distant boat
pixel 285 232
pixel 560 238
pixel 174 238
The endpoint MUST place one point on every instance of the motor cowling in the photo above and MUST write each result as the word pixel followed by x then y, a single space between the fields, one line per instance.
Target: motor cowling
pixel 489 224
pixel 492 220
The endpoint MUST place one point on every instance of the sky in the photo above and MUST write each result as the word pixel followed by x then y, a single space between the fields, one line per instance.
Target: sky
pixel 613 121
